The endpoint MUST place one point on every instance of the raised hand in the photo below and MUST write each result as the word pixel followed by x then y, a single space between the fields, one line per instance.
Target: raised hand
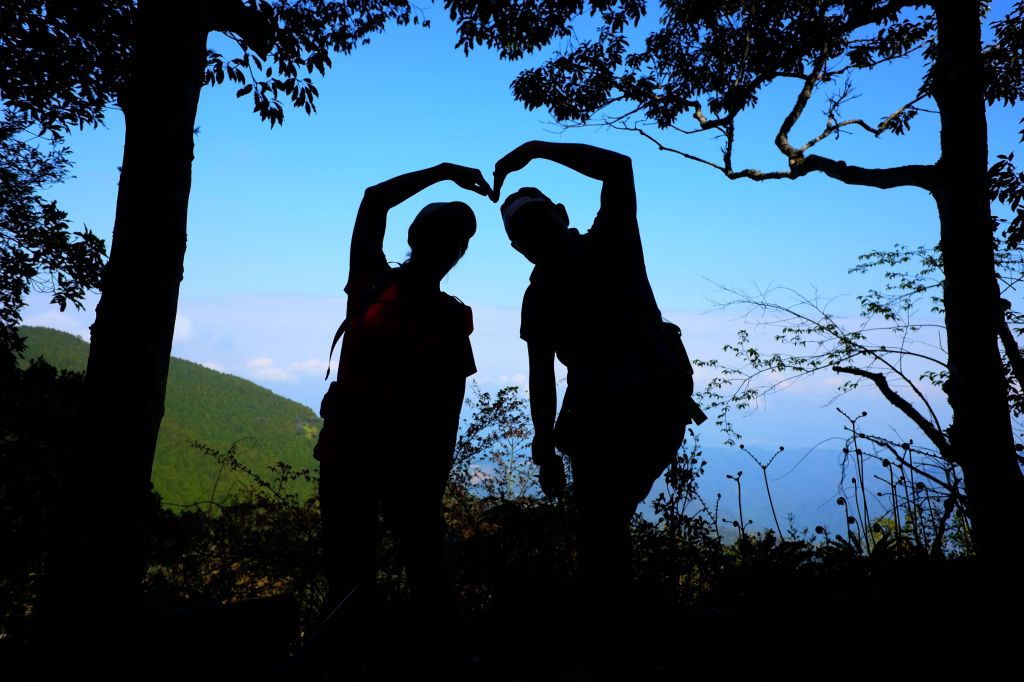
pixel 510 163
pixel 467 178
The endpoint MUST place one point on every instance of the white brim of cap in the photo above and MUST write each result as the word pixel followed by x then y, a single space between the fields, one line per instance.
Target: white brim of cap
pixel 511 209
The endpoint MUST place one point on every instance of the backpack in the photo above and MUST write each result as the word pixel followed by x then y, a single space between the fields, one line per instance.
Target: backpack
pixel 382 308
pixel 680 370
pixel 673 390
pixel 372 295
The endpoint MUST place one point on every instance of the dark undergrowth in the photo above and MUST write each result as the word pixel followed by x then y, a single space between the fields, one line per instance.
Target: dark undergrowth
pixel 235 588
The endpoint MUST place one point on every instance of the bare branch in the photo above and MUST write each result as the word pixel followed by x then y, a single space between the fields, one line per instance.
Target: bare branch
pixel 730 139
pixel 913 467
pixel 870 64
pixel 754 174
pixel 922 176
pixel 918 175
pixel 664 148
pixel 928 428
pixel 947 510
pixel 1012 351
pixel 782 137
pixel 883 178
pixel 833 127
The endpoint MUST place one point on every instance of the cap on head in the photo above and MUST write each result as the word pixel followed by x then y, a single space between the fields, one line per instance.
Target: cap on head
pixel 536 226
pixel 452 221
pixel 518 200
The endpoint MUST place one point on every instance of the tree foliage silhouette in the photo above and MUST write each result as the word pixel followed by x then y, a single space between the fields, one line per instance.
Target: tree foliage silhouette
pixel 38 249
pixel 706 67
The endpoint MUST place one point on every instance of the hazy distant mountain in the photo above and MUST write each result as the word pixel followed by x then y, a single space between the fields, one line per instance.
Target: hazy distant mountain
pixel 210 407
pixel 804 482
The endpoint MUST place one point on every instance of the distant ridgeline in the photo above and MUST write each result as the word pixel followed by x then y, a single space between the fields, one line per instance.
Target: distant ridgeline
pixel 210 407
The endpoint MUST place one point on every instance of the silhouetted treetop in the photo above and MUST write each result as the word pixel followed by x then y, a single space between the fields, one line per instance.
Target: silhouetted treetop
pixel 709 61
pixel 277 66
pixel 64 62
pixel 61 62
pixel 517 29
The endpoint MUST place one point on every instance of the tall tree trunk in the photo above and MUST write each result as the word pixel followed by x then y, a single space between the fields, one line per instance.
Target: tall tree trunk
pixel 95 577
pixel 981 436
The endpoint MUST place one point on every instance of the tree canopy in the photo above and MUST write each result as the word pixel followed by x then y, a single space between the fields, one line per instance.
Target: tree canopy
pixel 65 63
pixel 709 62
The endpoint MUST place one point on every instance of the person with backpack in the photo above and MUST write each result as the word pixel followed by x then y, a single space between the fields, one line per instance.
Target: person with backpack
pixel 391 417
pixel 629 383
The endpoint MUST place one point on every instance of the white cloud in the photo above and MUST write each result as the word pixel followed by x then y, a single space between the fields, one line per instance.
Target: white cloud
pixel 311 367
pixel 215 366
pixel 71 321
pixel 264 369
pixel 184 330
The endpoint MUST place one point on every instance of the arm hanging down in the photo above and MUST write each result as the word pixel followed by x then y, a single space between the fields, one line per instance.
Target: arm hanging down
pixel 543 401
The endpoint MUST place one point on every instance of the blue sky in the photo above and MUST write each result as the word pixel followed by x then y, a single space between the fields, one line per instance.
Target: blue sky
pixel 271 213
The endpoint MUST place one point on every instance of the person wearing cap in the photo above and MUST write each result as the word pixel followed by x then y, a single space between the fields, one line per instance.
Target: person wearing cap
pixel 590 304
pixel 392 415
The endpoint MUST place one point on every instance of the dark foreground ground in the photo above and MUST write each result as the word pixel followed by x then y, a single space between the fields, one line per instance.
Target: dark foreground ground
pixel 903 618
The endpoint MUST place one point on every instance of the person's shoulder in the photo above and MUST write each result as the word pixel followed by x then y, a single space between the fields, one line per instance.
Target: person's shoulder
pixel 457 315
pixel 612 231
pixel 369 277
pixel 612 214
pixel 451 301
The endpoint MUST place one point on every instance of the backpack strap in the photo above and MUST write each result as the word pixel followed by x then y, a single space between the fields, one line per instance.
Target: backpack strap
pixel 374 291
pixel 337 337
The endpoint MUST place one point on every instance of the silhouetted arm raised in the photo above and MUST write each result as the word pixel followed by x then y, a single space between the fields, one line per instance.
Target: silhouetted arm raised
pixel 367 252
pixel 614 170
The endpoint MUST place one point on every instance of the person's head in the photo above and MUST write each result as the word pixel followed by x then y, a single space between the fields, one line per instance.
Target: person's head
pixel 536 225
pixel 439 235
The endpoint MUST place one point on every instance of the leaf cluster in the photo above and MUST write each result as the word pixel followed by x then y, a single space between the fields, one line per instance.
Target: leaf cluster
pixel 39 250
pixel 63 63
pixel 305 34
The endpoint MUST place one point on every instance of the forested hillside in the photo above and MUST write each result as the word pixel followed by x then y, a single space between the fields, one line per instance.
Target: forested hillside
pixel 210 407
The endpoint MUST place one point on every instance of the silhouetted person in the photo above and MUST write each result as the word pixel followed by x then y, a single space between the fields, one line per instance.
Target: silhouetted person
pixel 391 418
pixel 590 304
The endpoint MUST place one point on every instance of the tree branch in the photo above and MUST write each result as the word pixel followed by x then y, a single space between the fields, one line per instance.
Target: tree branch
pixel 876 131
pixel 930 430
pixel 664 148
pixel 1012 351
pixel 250 24
pixel 945 485
pixel 876 15
pixel 922 176
pixel 940 535
pixel 782 137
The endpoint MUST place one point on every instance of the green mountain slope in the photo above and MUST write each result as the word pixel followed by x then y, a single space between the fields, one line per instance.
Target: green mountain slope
pixel 213 408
